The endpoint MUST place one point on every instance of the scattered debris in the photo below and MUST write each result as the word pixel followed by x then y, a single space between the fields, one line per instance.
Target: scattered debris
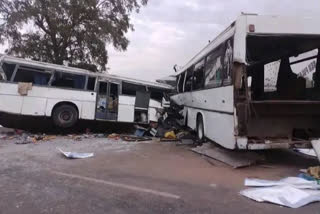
pixel 114 136
pixel 132 138
pixel 23 142
pixel 170 135
pixel 140 131
pixel 185 135
pixel 292 181
pixel 76 155
pixel 168 140
pixel 236 159
pixel 185 142
pixel 314 172
pixel 309 152
pixel 100 135
pixel 283 195
pixel 307 177
pixel 24 139
pixel 316 147
pixel 153 132
pixel 291 192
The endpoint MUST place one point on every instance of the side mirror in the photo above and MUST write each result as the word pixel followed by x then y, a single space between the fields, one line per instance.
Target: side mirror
pixel 249 80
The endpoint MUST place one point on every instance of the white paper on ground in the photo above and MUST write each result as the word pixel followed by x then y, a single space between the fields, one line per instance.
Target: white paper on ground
pixel 296 182
pixel 76 155
pixel 286 195
pixel 316 147
pixel 309 152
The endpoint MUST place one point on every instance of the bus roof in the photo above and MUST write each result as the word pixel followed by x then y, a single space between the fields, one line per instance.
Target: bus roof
pixel 53 67
pixel 261 25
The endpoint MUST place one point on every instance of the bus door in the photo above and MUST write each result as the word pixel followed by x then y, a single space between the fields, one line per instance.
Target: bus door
pixel 107 101
pixel 141 107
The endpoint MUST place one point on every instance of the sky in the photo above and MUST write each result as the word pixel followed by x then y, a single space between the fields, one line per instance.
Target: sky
pixel 169 32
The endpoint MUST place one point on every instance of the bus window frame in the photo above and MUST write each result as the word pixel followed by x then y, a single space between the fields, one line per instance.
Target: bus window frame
pixel 194 71
pixel 182 75
pixel 68 88
pixel 87 81
pixel 217 83
pixel 29 68
pixel 52 72
pixel 187 72
pixel 2 74
pixel 128 82
pixel 222 82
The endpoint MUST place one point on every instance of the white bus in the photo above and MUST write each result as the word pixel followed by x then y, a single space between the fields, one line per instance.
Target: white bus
pixel 67 94
pixel 256 86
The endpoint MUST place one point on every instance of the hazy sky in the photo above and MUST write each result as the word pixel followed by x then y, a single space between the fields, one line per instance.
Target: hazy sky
pixel 169 32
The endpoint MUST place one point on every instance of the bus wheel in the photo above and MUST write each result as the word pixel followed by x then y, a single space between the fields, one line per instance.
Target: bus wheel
pixel 200 128
pixel 65 116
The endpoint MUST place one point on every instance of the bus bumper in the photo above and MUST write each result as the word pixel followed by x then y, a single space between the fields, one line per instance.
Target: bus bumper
pixel 244 143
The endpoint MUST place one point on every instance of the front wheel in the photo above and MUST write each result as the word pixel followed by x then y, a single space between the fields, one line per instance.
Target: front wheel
pixel 200 129
pixel 65 116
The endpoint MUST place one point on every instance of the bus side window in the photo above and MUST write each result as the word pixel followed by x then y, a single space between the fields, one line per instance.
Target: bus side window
pixel 131 89
pixel 32 75
pixel 213 71
pixel 228 62
pixel 67 80
pixel 91 83
pixel 198 78
pixel 8 70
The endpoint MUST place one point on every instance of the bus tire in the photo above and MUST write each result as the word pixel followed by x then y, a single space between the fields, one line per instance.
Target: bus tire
pixel 200 129
pixel 65 116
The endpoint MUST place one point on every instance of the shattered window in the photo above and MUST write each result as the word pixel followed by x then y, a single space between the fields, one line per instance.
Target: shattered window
pixel 213 71
pixel 33 75
pixel 131 89
pixel 67 80
pixel 219 65
pixel 271 72
pixel 8 70
pixel 156 94
pixel 198 78
pixel 180 82
pixel 189 78
pixel 303 69
pixel 91 83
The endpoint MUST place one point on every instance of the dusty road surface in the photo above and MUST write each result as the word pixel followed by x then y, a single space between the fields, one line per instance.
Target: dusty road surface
pixel 123 177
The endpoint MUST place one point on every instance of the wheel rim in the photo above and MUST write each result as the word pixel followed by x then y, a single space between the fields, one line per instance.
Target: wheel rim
pixel 65 116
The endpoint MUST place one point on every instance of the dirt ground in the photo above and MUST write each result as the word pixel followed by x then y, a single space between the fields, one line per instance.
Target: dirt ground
pixel 130 177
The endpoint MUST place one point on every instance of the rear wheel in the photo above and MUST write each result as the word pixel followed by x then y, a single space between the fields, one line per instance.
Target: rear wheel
pixel 65 116
pixel 200 128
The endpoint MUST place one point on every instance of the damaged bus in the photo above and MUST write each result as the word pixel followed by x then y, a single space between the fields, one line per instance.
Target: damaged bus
pixel 67 94
pixel 256 86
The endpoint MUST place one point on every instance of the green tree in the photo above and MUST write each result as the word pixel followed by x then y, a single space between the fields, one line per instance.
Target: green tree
pixel 76 31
